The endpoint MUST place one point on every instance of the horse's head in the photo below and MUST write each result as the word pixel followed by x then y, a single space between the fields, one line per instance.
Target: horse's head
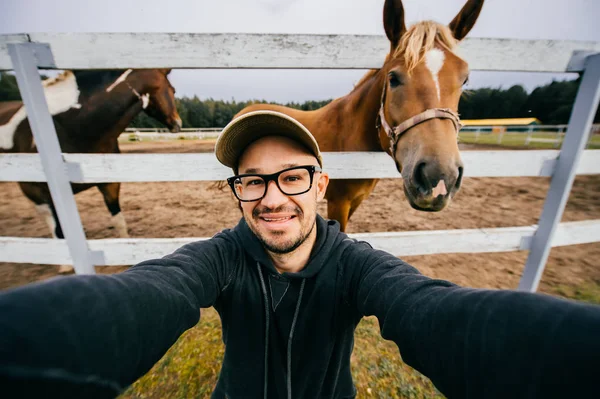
pixel 160 97
pixel 419 103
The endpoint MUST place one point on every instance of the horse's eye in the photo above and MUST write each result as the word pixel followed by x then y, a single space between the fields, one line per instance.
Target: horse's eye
pixel 394 80
pixel 466 81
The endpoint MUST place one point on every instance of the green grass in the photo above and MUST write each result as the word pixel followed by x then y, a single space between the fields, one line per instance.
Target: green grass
pixel 378 370
pixel 519 140
pixel 587 292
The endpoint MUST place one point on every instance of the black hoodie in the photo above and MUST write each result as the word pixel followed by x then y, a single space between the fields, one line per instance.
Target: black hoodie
pixel 91 336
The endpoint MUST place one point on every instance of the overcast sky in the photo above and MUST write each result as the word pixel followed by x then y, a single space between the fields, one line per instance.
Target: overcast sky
pixel 526 19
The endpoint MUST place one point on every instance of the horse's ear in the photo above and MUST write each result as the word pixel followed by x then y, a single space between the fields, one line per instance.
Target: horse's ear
pixel 393 22
pixel 165 71
pixel 466 18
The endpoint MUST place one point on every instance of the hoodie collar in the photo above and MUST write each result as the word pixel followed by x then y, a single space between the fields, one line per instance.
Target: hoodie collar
pixel 327 235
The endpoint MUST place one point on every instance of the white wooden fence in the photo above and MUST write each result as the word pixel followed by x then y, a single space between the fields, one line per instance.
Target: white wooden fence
pixel 25 53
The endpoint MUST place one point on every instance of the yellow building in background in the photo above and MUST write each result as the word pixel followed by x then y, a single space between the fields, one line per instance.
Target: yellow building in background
pixel 501 122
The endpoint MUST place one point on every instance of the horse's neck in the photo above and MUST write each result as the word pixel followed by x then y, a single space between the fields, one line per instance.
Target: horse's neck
pixel 355 116
pixel 105 115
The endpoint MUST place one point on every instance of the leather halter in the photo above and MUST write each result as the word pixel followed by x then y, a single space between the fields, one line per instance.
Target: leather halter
pixel 144 98
pixel 394 133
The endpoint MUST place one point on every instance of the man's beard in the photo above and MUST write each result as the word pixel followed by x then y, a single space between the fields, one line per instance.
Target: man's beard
pixel 285 247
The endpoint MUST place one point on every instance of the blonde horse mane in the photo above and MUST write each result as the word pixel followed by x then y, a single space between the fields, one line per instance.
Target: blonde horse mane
pixel 415 43
pixel 420 38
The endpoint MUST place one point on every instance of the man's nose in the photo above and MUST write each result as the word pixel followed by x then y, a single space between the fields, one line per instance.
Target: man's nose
pixel 273 197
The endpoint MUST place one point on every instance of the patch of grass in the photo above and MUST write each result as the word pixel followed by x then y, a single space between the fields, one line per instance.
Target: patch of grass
pixel 191 367
pixel 587 292
pixel 378 370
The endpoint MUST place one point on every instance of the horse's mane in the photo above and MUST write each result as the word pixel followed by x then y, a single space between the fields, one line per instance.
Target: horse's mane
pixel 415 43
pixel 420 38
pixel 57 79
pixel 90 81
pixel 87 81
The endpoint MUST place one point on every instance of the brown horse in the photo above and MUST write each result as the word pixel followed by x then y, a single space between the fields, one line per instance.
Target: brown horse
pixel 90 110
pixel 408 108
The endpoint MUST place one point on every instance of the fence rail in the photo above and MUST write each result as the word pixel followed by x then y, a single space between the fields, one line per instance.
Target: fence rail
pixel 281 51
pixel 128 251
pixel 100 168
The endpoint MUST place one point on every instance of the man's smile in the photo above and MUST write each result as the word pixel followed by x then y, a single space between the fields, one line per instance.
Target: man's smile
pixel 277 221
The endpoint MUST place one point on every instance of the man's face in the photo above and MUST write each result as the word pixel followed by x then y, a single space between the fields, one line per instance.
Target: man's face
pixel 281 222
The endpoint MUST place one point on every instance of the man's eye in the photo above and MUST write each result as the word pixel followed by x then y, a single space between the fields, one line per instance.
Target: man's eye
pixel 293 178
pixel 254 182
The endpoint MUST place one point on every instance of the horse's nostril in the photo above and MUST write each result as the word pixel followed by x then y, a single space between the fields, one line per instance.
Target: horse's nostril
pixel 459 179
pixel 420 178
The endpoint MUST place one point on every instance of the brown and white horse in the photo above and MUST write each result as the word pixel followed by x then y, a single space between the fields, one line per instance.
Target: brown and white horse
pixel 408 108
pixel 90 110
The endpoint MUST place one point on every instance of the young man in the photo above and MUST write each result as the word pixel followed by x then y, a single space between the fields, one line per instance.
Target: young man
pixel 290 289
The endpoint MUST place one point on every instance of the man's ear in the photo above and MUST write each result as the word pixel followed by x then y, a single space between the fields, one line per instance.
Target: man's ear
pixel 322 184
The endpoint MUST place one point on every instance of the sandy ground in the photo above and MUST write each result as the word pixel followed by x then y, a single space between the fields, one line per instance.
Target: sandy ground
pixel 197 209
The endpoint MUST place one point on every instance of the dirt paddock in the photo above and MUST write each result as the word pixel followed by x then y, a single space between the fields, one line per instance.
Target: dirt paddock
pixel 197 209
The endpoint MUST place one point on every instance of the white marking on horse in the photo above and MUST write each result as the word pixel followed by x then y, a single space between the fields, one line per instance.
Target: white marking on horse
pixel 179 122
pixel 7 131
pixel 440 189
pixel 119 80
pixel 120 225
pixel 145 100
pixel 61 94
pixel 434 60
pixel 45 212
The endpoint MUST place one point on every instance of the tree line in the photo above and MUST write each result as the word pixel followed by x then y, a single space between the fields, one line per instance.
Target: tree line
pixel 551 104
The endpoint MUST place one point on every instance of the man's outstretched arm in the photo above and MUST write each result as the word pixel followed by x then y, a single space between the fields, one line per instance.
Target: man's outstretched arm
pixel 91 336
pixel 480 343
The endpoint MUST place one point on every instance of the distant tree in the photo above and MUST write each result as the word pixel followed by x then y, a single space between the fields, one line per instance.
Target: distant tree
pixel 198 113
pixel 553 102
pixel 515 99
pixel 9 90
pixel 223 114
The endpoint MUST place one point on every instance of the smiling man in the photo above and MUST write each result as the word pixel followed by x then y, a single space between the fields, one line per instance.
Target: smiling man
pixel 290 289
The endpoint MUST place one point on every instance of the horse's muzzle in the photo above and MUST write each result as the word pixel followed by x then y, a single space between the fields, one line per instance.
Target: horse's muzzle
pixel 430 187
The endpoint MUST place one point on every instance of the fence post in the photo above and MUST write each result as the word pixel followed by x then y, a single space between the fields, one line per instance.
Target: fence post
pixel 501 134
pixel 529 134
pixel 558 137
pixel 578 130
pixel 44 133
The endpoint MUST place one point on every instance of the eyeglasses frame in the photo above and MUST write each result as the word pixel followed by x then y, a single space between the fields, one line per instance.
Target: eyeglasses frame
pixel 312 169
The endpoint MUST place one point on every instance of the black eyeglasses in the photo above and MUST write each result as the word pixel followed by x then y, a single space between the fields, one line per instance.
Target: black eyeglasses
pixel 291 181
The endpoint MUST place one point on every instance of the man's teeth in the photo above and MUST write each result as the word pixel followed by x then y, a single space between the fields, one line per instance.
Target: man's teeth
pixel 277 219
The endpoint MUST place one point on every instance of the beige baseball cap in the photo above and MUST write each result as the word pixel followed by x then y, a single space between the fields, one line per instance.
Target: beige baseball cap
pixel 247 128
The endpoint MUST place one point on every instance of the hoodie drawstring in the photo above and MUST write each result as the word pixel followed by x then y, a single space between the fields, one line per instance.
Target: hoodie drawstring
pixel 266 366
pixel 289 354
